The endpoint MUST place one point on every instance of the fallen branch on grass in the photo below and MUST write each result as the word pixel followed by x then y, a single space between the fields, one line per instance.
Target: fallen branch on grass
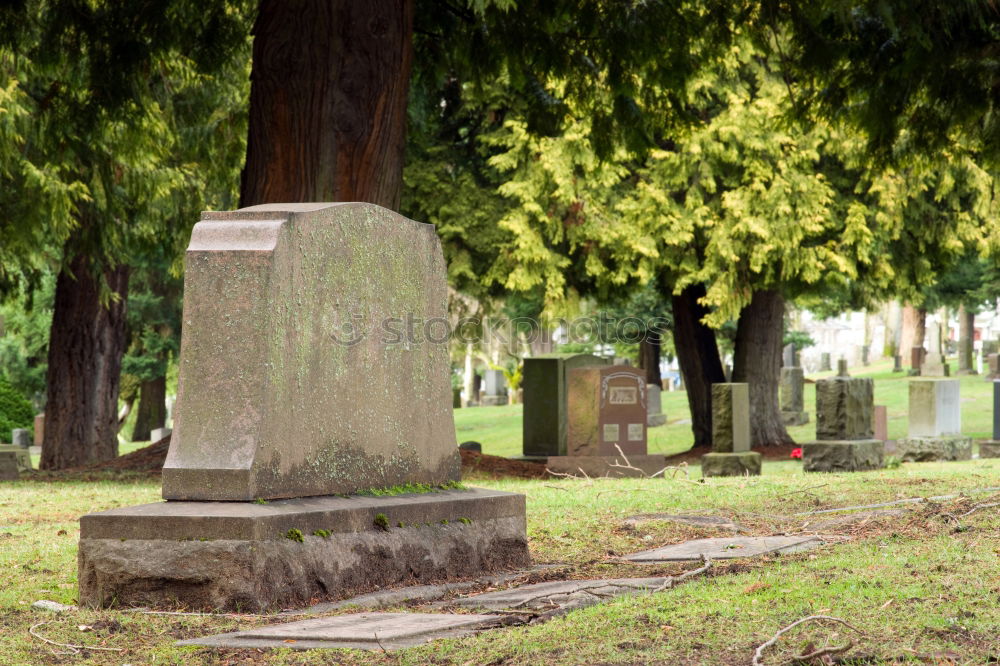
pixel 822 652
pixel 673 580
pixel 74 649
pixel 759 652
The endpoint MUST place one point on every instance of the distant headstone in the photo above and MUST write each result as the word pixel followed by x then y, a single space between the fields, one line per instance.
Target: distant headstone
pixel 456 398
pixel 20 437
pixel 471 446
pixel 731 454
pixel 881 423
pixel 21 455
pixel 792 399
pixel 993 362
pixel 39 429
pixel 991 347
pixel 299 382
pixel 935 422
pixel 934 365
pixel 864 354
pixel 654 412
pixel 495 391
pixel 991 448
pixel 8 466
pixel 159 433
pixel 842 368
pixel 897 363
pixel 606 411
pixel 844 428
pixel 916 359
pixel 788 355
pixel 824 362
pixel 544 383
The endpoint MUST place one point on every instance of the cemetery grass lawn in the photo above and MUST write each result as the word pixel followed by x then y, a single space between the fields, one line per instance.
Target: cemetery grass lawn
pixel 498 429
pixel 914 584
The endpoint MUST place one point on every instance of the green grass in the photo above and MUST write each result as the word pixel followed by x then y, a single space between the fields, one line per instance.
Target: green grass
pixel 913 584
pixel 498 429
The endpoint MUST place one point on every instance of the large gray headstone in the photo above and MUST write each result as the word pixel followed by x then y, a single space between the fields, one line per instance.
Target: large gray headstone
pixel 21 437
pixel 844 408
pixel 301 324
pixel 730 418
pixel 935 407
pixel 545 395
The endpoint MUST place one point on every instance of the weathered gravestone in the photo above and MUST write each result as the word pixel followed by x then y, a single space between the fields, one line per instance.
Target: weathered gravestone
pixel 897 363
pixel 39 429
pixel 654 408
pixel 844 427
pixel 292 359
pixel 606 424
pixel 788 355
pixel 544 384
pixel 22 456
pixel 9 468
pixel 792 399
pixel 993 361
pixel 916 359
pixel 495 389
pixel 991 448
pixel 731 454
pixel 934 365
pixel 20 437
pixel 824 362
pixel 935 422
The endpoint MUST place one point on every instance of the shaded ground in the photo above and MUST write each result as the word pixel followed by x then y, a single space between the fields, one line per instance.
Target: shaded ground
pixel 693 456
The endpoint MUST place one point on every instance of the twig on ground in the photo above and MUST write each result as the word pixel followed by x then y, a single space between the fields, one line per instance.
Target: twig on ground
pixel 564 475
pixel 759 652
pixel 805 490
pixel 545 485
pixel 381 647
pixel 74 648
pixel 977 507
pixel 822 652
pixel 673 580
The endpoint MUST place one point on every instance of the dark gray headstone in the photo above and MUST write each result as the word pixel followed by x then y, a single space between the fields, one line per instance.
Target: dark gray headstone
pixel 824 362
pixel 20 437
pixel 897 363
pixel 544 383
pixel 788 356
pixel 471 446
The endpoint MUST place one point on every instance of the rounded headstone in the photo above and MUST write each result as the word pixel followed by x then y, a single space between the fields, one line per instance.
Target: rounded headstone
pixel 471 446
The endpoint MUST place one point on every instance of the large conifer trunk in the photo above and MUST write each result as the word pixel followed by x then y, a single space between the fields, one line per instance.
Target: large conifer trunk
pixel 698 356
pixel 328 101
pixel 152 412
pixel 757 361
pixel 85 353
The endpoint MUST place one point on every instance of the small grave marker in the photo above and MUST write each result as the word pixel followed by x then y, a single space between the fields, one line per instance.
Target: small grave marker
pixel 935 426
pixel 731 454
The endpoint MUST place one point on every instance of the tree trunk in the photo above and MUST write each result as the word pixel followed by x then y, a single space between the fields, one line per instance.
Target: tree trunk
pixel 85 354
pixel 966 325
pixel 757 362
pixel 328 99
pixel 908 335
pixel 698 357
pixel 152 411
pixel 649 357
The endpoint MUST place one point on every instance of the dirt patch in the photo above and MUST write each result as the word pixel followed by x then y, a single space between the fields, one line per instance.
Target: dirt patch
pixel 496 467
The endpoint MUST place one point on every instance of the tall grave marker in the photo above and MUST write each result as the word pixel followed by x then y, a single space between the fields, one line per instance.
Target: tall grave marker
pixel 294 348
pixel 731 454
pixel 844 426
pixel 935 422
pixel 991 448
pixel 545 395
pixel 792 398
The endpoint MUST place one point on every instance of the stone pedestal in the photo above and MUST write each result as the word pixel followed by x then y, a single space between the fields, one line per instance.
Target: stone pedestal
pixel 745 463
pixel 247 557
pixel 22 456
pixel 934 365
pixel 942 447
pixel 844 428
pixel 791 395
pixel 855 455
pixel 935 422
pixel 731 454
pixel 989 448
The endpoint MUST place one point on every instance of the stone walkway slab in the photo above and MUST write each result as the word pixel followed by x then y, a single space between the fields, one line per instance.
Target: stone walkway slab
pixel 727 548
pixel 563 594
pixel 364 631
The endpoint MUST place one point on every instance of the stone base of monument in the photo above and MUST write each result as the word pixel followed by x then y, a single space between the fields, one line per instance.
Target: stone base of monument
pixel 22 456
pixel 494 400
pixel 745 463
pixel 616 466
pixel 942 447
pixel 655 420
pixel 243 556
pixel 794 418
pixel 989 448
pixel 843 455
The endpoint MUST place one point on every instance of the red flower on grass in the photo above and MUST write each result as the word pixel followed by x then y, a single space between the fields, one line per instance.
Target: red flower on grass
pixel 797 453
